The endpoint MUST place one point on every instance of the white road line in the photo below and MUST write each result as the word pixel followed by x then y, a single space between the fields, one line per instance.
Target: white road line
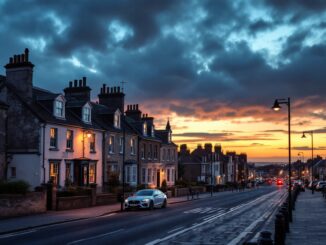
pixel 108 215
pixel 17 234
pixel 211 216
pixel 205 222
pixel 178 228
pixel 94 237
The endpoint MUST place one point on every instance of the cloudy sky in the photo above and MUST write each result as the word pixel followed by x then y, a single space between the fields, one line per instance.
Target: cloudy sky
pixel 213 67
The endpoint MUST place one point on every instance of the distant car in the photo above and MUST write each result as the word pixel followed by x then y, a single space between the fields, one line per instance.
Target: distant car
pixel 312 184
pixel 279 182
pixel 146 199
pixel 320 185
pixel 299 184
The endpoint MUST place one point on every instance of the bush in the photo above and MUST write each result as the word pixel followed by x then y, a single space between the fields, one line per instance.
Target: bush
pixel 14 187
pixel 164 186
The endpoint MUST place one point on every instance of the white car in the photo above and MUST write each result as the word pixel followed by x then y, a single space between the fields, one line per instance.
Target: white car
pixel 147 198
pixel 320 185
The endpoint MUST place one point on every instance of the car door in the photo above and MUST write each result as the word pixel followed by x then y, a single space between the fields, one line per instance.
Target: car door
pixel 156 197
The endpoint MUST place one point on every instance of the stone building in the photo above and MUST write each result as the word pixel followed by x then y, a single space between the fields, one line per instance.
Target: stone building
pixel 3 138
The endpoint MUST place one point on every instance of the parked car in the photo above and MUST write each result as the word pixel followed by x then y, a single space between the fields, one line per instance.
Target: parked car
pixel 320 185
pixel 299 184
pixel 312 184
pixel 146 199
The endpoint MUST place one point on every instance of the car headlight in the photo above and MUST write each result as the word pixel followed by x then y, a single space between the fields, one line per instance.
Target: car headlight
pixel 126 201
pixel 146 200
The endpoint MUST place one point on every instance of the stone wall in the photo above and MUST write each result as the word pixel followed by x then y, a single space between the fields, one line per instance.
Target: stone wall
pixel 18 205
pixel 65 203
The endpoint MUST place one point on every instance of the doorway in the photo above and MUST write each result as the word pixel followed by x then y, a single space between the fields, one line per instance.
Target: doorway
pixel 158 179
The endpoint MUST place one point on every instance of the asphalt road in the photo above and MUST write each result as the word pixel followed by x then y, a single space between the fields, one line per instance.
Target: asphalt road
pixel 228 218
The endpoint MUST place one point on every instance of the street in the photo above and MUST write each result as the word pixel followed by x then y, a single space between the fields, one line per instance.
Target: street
pixel 227 218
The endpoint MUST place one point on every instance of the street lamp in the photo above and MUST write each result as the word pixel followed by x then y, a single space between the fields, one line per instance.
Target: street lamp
pixel 123 123
pixel 312 148
pixel 277 107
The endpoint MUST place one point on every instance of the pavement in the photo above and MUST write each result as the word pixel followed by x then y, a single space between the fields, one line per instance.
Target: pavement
pixel 18 224
pixel 309 220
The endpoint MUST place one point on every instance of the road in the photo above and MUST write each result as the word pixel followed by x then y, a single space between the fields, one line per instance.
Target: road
pixel 228 218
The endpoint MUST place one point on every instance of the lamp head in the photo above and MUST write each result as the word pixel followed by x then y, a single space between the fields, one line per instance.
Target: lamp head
pixel 303 135
pixel 276 106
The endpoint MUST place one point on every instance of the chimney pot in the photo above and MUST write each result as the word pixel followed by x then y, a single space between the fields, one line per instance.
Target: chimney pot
pixel 26 54
pixel 114 89
pixel 23 58
pixel 118 89
pixel 84 81
pixel 107 90
pixel 70 84
pixel 80 83
pixel 11 60
pixel 18 58
pixel 15 58
pixel 134 107
pixel 111 90
pixel 101 91
pixel 75 83
pixel 137 107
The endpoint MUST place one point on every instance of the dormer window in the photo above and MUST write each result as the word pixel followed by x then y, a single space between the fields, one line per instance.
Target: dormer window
pixel 58 107
pixel 153 131
pixel 145 129
pixel 117 120
pixel 86 114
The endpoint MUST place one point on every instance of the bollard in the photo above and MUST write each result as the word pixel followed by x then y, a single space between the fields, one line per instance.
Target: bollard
pixel 285 213
pixel 265 238
pixel 279 236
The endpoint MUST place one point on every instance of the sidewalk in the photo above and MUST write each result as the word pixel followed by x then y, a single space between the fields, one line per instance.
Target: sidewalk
pixel 309 220
pixel 56 217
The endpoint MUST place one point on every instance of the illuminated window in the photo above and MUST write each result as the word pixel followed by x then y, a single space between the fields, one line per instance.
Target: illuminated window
pixel 145 129
pixel 111 144
pixel 54 172
pixel 132 146
pixel 58 108
pixel 53 138
pixel 70 139
pixel 92 173
pixel 117 120
pixel 92 143
pixel 86 114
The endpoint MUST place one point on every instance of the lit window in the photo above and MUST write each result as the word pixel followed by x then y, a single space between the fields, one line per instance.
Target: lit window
pixel 111 144
pixel 117 122
pixel 145 129
pixel 53 138
pixel 92 143
pixel 87 114
pixel 54 172
pixel 70 137
pixel 92 173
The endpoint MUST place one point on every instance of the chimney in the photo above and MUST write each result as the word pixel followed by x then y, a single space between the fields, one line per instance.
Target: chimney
pixel 19 73
pixel 133 112
pixel 79 92
pixel 113 99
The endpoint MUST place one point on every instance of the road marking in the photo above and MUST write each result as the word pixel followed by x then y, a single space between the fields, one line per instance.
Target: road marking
pixel 175 229
pixel 95 237
pixel 17 234
pixel 107 215
pixel 207 221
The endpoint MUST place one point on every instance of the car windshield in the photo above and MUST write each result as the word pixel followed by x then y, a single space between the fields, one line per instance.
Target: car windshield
pixel 144 193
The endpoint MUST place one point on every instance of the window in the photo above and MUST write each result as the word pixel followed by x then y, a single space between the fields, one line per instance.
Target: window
pixel 173 175
pixel 111 144
pixel 155 151
pixel 153 131
pixel 132 146
pixel 70 139
pixel 92 144
pixel 121 145
pixel 143 151
pixel 128 174
pixel 53 137
pixel 87 114
pixel 54 172
pixel 149 175
pixel 12 172
pixel 169 154
pixel 164 154
pixel 168 175
pixel 173 155
pixel 58 108
pixel 134 173
pixel 92 173
pixel 69 173
pixel 143 175
pixel 117 120
pixel 145 129
pixel 150 149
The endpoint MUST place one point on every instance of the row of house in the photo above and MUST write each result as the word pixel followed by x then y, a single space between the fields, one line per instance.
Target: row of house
pixel 69 139
pixel 212 166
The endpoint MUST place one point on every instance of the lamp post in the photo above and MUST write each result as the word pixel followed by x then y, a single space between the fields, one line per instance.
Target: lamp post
pixel 212 156
pixel 312 149
pixel 123 159
pixel 301 154
pixel 277 107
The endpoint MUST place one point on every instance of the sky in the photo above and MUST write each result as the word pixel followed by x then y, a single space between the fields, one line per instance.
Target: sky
pixel 214 68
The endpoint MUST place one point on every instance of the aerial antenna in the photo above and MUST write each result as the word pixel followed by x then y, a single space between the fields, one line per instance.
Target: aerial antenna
pixel 122 85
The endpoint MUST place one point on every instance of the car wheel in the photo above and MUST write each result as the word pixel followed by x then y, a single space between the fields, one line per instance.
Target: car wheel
pixel 151 205
pixel 165 204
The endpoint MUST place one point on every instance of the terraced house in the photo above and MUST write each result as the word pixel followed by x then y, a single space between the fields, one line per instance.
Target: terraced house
pixel 68 139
